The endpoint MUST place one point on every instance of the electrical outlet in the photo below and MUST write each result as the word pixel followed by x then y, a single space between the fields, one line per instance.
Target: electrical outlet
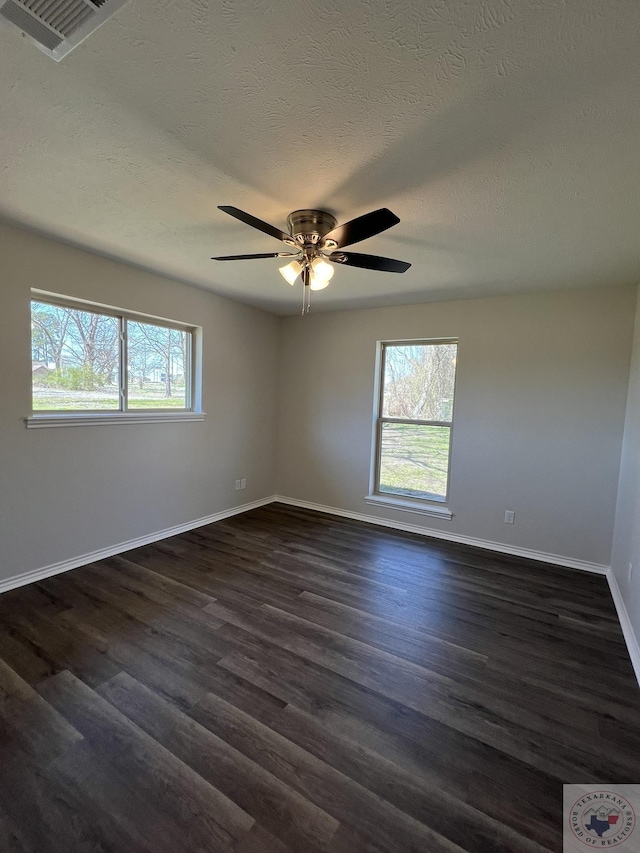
pixel 509 516
pixel 238 486
pixel 243 483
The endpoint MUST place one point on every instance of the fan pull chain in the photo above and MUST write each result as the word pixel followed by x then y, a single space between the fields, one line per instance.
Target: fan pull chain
pixel 306 290
pixel 306 299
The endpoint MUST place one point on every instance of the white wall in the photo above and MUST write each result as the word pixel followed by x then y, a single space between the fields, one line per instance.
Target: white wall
pixel 540 407
pixel 626 542
pixel 70 491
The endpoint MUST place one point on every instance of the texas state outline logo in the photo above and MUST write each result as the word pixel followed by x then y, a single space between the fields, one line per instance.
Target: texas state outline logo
pixel 601 819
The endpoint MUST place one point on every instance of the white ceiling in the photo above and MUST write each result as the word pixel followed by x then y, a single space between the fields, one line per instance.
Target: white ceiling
pixel 505 134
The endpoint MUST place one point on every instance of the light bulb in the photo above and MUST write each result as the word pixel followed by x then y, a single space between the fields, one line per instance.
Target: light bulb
pixel 291 271
pixel 318 283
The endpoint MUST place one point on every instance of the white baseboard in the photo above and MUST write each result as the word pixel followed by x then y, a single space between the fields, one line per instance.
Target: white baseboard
pixel 75 562
pixel 514 550
pixel 630 637
pixel 84 559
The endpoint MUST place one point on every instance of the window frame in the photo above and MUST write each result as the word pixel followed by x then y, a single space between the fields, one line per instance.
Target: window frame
pixel 437 506
pixel 123 414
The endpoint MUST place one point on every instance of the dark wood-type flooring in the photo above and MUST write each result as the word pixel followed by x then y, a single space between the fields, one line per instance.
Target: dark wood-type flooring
pixel 289 681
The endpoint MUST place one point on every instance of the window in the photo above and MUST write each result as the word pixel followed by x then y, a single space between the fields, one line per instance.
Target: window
pixel 90 363
pixel 414 420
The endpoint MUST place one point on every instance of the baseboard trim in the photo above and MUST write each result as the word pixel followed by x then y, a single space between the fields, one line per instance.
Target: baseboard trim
pixel 83 560
pixel 633 646
pixel 515 551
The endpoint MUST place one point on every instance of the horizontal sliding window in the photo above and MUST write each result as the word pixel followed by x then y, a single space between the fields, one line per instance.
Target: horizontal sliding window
pixel 415 419
pixel 87 359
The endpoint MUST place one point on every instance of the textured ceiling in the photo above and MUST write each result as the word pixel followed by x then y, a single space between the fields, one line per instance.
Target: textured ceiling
pixel 505 134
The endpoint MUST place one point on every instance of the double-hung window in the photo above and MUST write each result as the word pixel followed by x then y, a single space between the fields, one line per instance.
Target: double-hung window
pixel 414 421
pixel 93 364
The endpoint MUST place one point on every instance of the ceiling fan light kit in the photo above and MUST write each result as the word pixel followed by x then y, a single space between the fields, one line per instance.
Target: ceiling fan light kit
pixel 314 236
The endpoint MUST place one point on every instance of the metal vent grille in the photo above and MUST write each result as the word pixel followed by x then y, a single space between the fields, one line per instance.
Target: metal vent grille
pixel 57 26
pixel 31 26
pixel 64 16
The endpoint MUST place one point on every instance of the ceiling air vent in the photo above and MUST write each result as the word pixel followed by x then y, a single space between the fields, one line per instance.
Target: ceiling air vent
pixel 57 26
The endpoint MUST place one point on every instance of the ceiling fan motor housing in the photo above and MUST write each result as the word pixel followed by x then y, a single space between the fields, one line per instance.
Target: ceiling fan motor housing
pixel 308 227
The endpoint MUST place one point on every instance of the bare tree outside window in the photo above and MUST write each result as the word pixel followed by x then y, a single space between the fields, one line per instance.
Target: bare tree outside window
pixel 157 355
pixel 74 359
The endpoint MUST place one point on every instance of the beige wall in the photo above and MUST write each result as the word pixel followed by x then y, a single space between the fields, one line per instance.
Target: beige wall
pixel 540 407
pixel 542 389
pixel 71 491
pixel 626 543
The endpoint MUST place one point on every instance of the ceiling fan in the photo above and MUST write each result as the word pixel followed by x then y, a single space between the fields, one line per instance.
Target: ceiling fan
pixel 316 241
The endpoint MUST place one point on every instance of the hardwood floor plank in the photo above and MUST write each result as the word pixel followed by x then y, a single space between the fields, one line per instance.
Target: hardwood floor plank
pixel 168 668
pixel 23 658
pixel 27 601
pixel 150 585
pixel 258 840
pixel 498 796
pixel 102 787
pixel 428 803
pixel 42 811
pixel 47 637
pixel 275 806
pixel 30 722
pixel 204 574
pixel 409 643
pixel 483 715
pixel 428 749
pixel 198 629
pixel 440 656
pixel 384 826
pixel 195 807
pixel 139 657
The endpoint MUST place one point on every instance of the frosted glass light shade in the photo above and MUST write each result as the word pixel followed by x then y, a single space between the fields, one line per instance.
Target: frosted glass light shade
pixel 291 271
pixel 322 270
pixel 321 273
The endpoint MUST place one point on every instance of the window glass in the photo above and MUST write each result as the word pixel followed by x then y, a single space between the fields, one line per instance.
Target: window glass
pixel 413 438
pixel 74 360
pixel 414 460
pixel 419 381
pixel 77 363
pixel 158 361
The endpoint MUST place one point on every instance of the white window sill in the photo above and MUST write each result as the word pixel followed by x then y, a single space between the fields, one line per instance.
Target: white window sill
pixel 408 505
pixel 102 418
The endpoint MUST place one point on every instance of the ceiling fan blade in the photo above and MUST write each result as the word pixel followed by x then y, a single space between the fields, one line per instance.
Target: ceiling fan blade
pixel 250 257
pixel 369 262
pixel 271 230
pixel 362 227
